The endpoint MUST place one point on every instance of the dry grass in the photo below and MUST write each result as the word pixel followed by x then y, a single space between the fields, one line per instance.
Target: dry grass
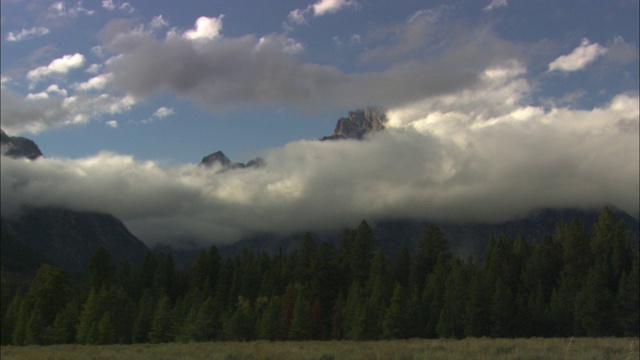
pixel 494 349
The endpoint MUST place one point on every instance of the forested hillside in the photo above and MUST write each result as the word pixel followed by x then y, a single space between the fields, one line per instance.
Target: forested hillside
pixel 575 282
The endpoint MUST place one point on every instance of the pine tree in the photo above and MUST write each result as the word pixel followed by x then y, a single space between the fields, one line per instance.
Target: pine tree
pixel 594 311
pixel 364 243
pixel 627 303
pixel 478 309
pixel 163 324
pixel 300 322
pixel 451 320
pixel 429 249
pixel 268 323
pixel 100 268
pixel 502 311
pixel 396 320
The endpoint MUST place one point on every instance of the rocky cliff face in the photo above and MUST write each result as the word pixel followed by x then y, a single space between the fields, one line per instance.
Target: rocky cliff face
pixel 19 147
pixel 218 158
pixel 358 123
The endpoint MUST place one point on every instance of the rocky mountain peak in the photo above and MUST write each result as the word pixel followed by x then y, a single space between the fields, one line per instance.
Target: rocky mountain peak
pixel 19 147
pixel 358 123
pixel 225 163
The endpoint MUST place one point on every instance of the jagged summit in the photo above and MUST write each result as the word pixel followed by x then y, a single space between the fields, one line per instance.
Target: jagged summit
pixel 358 123
pixel 225 163
pixel 19 147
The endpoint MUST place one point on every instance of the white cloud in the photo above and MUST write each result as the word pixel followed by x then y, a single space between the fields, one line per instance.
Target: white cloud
pixel 158 22
pixel 60 66
pixel 95 83
pixel 94 69
pixel 112 123
pixel 160 113
pixel 579 58
pixel 54 108
pixel 60 10
pixel 298 16
pixel 495 4
pixel 319 8
pixel 205 28
pixel 108 4
pixel 163 112
pixel 26 34
pixel 324 7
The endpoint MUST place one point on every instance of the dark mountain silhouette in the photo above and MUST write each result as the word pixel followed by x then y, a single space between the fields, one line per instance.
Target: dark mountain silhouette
pixel 220 159
pixel 19 147
pixel 67 238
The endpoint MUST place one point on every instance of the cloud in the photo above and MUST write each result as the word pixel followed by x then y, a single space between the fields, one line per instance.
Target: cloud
pixel 35 113
pixel 320 8
pixel 26 34
pixel 158 22
pixel 112 123
pixel 478 154
pixel 206 28
pixel 160 113
pixel 95 83
pixel 324 7
pixel 495 4
pixel 60 66
pixel 248 71
pixel 59 10
pixel 579 58
pixel 163 112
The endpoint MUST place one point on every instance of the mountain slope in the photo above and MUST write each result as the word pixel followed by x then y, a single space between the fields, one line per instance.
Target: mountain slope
pixel 69 238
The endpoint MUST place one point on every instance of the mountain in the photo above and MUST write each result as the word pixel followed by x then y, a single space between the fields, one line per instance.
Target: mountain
pixel 465 240
pixel 358 123
pixel 67 238
pixel 220 159
pixel 19 147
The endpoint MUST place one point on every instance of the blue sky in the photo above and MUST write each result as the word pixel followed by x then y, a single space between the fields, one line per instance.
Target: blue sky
pixel 159 84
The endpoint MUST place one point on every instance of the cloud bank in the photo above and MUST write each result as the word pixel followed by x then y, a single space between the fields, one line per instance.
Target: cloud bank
pixel 444 159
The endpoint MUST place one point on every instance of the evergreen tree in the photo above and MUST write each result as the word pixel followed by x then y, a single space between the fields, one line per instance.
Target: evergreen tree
pixel 300 329
pixel 429 249
pixel 433 296
pixel 144 318
pixel 502 310
pixel 286 312
pixel 594 311
pixel 402 267
pixel 163 327
pixel 364 243
pixel 100 268
pixel 451 320
pixel 48 294
pixel 627 303
pixel 478 309
pixel 268 323
pixel 396 320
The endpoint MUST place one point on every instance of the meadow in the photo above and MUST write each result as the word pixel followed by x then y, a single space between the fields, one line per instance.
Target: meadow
pixel 470 348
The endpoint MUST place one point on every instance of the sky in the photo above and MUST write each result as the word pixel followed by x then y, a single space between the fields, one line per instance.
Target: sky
pixel 496 108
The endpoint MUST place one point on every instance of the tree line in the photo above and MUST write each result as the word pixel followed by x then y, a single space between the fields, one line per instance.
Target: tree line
pixel 574 282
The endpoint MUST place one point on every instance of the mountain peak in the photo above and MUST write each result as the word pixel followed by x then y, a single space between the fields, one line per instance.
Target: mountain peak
pixel 358 123
pixel 225 163
pixel 19 147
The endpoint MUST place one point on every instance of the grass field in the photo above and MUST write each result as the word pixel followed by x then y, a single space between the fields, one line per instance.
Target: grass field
pixel 580 348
